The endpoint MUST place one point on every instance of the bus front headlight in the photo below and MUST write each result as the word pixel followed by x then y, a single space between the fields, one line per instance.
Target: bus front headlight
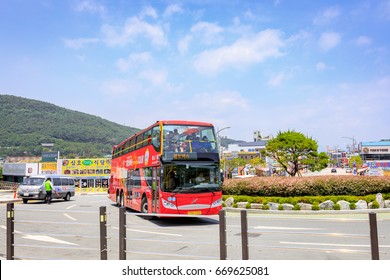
pixel 168 204
pixel 216 203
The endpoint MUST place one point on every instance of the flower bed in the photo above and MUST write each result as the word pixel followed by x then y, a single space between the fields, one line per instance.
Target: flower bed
pixel 307 186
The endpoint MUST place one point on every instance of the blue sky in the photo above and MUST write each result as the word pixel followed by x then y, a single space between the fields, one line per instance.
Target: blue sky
pixel 318 67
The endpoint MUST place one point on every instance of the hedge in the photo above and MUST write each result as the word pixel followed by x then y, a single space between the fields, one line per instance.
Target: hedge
pixel 307 186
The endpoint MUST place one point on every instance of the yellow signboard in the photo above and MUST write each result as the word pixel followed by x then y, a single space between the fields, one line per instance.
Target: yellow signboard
pixel 86 167
pixel 49 167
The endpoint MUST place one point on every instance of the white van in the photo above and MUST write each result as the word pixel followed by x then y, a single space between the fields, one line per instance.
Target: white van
pixel 33 187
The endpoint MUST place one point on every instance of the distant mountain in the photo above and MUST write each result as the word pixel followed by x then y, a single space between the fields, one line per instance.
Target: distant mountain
pixel 25 124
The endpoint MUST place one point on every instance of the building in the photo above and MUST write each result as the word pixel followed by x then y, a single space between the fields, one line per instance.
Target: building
pixel 376 155
pixel 87 173
pixel 247 147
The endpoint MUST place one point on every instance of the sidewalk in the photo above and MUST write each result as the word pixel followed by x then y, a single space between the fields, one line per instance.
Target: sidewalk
pixel 9 196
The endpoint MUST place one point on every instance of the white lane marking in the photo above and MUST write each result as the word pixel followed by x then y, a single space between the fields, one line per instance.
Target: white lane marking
pixel 47 239
pixel 332 244
pixel 69 217
pixel 70 207
pixel 286 228
pixel 43 238
pixel 151 232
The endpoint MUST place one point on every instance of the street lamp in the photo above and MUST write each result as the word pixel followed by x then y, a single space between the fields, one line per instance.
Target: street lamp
pixel 353 142
pixel 219 137
pixel 220 149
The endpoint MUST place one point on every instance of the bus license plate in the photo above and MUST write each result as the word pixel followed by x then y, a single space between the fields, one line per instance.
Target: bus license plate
pixel 194 213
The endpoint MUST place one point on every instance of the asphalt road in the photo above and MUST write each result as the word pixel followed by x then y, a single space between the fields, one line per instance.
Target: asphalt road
pixel 69 230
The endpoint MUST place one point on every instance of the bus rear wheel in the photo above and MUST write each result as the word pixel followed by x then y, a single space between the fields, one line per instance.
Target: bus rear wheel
pixel 145 208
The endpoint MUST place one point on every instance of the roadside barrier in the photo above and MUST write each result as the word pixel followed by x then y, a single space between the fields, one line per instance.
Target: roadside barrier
pixel 131 245
pixel 254 235
pixel 304 234
pixel 11 232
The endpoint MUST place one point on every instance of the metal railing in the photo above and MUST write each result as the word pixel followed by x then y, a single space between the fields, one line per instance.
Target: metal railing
pixel 124 239
pixel 249 235
pixel 247 246
pixel 11 244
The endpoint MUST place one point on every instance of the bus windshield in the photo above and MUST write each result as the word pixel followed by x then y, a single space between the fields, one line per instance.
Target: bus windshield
pixel 188 139
pixel 190 178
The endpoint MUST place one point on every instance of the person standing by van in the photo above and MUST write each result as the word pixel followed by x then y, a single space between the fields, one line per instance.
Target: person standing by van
pixel 49 190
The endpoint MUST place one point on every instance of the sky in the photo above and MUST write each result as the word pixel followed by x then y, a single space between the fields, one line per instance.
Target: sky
pixel 321 68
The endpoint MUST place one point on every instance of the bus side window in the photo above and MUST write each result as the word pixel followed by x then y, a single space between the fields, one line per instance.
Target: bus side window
pixel 147 138
pixel 139 140
pixel 132 144
pixel 156 140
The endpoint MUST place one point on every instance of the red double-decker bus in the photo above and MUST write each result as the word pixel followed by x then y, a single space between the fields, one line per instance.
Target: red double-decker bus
pixel 171 167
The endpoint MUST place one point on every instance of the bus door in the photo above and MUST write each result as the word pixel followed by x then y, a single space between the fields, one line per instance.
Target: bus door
pixel 155 189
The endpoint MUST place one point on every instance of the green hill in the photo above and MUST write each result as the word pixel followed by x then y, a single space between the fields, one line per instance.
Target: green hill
pixel 25 124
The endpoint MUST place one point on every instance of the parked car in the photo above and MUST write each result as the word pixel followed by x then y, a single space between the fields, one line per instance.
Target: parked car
pixel 348 170
pixel 334 170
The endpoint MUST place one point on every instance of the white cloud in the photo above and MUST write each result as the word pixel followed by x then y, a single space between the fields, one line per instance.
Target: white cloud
pixel 202 33
pixel 329 40
pixel 148 11
pixel 133 60
pixel 363 41
pixel 79 43
pixel 172 9
pixel 209 32
pixel 132 29
pixel 245 51
pixel 184 43
pixel 91 7
pixel 277 79
pixel 154 77
pixel 327 16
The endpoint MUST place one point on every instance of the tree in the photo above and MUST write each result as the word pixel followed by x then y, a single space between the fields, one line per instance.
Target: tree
pixel 229 165
pixel 293 150
pixel 357 160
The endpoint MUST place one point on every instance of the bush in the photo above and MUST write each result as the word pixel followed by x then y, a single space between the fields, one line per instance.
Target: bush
pixel 375 205
pixel 315 206
pixel 248 206
pixel 297 207
pixel 352 205
pixel 280 207
pixel 265 207
pixel 337 206
pixel 307 186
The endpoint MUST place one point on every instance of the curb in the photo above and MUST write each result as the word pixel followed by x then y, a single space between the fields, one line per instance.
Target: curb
pixel 308 212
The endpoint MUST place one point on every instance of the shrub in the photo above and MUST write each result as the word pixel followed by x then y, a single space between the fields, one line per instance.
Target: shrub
pixel 337 206
pixel 307 186
pixel 235 205
pixel 297 207
pixel 248 206
pixel 265 207
pixel 280 207
pixel 375 205
pixel 315 206
pixel 352 205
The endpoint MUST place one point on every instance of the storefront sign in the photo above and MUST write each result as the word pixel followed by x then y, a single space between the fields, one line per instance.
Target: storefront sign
pixel 86 167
